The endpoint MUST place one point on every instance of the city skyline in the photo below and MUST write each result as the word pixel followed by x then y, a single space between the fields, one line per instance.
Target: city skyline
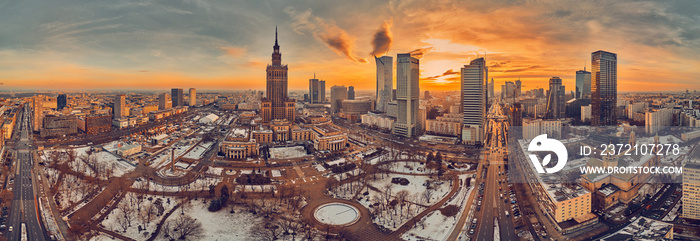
pixel 145 45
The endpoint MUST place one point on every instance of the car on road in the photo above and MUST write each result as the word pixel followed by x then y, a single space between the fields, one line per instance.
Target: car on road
pixel 10 229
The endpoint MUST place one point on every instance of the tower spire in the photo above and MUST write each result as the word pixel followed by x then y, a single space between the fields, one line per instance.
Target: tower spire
pixel 276 35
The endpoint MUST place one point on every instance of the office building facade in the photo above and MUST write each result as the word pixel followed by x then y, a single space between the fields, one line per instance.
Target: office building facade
pixel 385 83
pixel 603 88
pixel 473 94
pixel 407 95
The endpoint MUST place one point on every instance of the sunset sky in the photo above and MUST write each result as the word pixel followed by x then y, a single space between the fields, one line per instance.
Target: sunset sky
pixel 143 44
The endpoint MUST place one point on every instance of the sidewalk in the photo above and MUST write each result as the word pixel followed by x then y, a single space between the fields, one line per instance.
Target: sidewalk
pixel 55 214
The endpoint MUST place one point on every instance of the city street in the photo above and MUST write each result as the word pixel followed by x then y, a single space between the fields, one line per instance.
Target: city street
pixel 494 206
pixel 24 208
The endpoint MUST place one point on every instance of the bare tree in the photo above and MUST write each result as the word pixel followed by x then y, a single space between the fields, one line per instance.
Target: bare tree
pixel 427 195
pixel 401 197
pixel 148 213
pixel 127 213
pixel 187 228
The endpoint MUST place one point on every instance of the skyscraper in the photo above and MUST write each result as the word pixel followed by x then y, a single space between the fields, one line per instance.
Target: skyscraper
pixel 385 83
pixel 407 94
pixel 193 97
pixel 61 101
pixel 518 90
pixel 491 87
pixel 164 101
pixel 474 77
pixel 317 91
pixel 119 104
pixel 178 97
pixel 351 92
pixel 338 94
pixel 555 101
pixel 276 104
pixel 583 84
pixel 603 88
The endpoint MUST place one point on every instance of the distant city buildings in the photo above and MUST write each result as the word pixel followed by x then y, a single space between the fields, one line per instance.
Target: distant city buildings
pixel 338 94
pixel 385 83
pixel 178 97
pixel 164 101
pixel 407 95
pixel 119 106
pixel 351 92
pixel 473 94
pixel 556 99
pixel 61 101
pixel 193 97
pixel 583 84
pixel 656 120
pixel 317 91
pixel 603 88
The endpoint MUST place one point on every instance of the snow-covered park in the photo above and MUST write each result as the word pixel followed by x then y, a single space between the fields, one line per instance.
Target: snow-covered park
pixel 287 152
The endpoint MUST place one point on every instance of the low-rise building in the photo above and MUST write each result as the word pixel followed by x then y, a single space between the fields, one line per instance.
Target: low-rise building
pixel 239 144
pixel 59 125
pixel 128 150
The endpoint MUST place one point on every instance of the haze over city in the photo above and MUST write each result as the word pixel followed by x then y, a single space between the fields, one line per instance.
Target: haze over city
pixel 225 45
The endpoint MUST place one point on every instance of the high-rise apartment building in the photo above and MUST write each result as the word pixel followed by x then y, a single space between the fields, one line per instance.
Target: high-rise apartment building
pixel 656 120
pixel 277 105
pixel 164 101
pixel 193 97
pixel 178 97
pixel 691 190
pixel 61 101
pixel 338 94
pixel 407 95
pixel 385 83
pixel 473 94
pixel 603 88
pixel 583 84
pixel 555 101
pixel 119 106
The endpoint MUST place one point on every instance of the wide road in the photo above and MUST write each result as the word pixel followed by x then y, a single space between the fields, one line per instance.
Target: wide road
pixel 494 207
pixel 24 207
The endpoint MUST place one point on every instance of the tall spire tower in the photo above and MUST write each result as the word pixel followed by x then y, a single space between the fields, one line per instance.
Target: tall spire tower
pixel 276 104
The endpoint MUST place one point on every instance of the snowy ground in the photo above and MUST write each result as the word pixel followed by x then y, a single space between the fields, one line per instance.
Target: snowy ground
pixel 112 221
pixel 433 226
pixel 287 152
pixel 436 226
pixel 394 217
pixel 672 214
pixel 196 152
pixel 222 225
pixel 198 185
pixel 105 159
pixel 409 168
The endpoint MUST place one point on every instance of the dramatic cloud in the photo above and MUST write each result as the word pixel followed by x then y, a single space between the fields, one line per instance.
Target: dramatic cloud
pixel 327 31
pixel 447 73
pixel 418 53
pixel 382 40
